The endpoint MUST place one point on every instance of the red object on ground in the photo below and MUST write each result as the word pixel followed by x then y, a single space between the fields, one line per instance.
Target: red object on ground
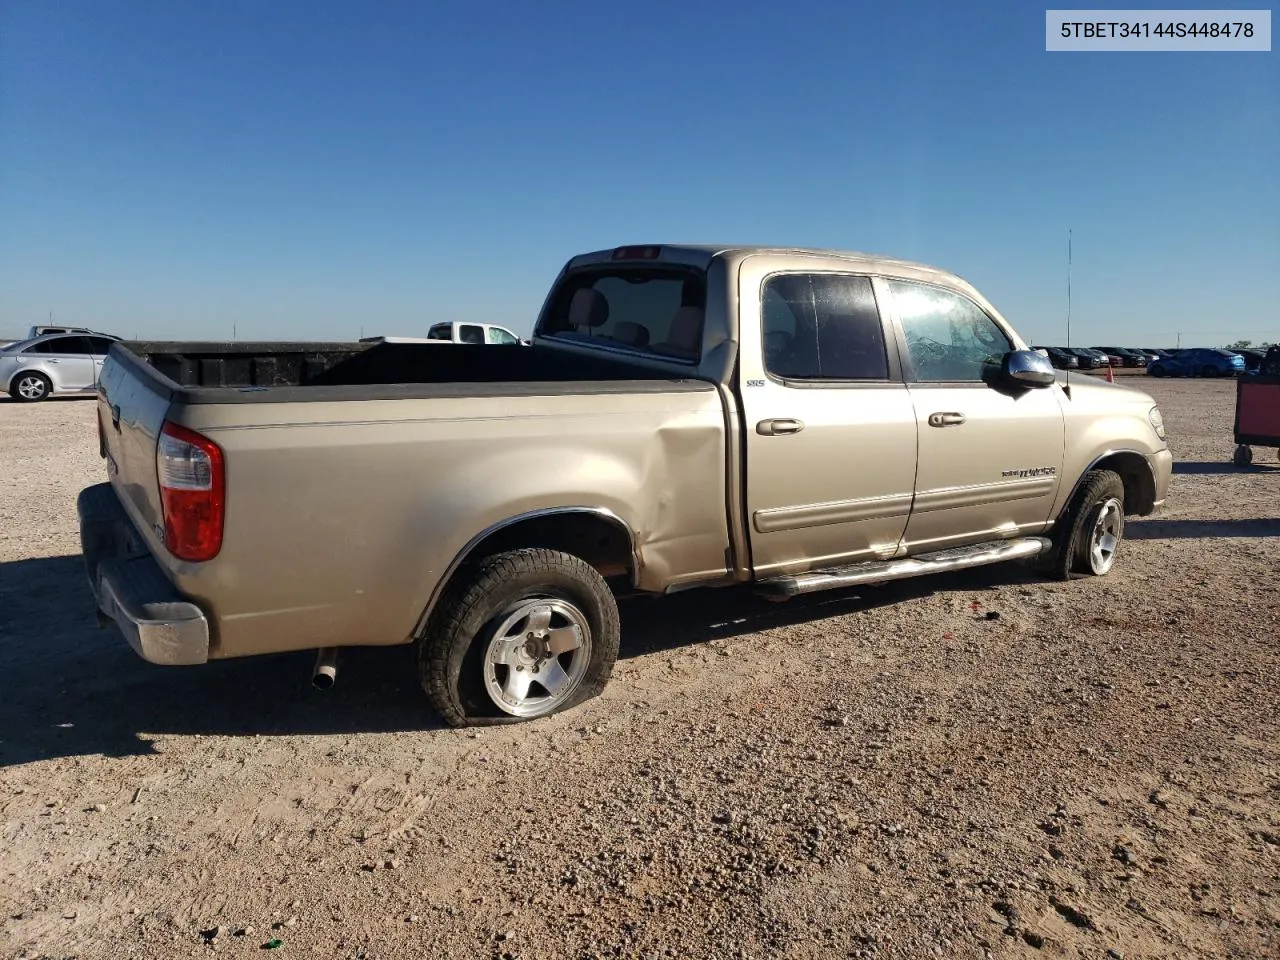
pixel 1258 411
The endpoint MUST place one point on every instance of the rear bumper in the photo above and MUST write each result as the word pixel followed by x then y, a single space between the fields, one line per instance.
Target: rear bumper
pixel 160 624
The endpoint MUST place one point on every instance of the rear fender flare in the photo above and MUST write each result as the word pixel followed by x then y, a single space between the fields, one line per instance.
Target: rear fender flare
pixel 474 544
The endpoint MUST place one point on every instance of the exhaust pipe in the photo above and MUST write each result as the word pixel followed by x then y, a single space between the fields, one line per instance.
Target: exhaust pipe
pixel 325 672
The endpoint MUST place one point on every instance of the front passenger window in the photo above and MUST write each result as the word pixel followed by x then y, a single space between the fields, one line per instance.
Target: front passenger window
pixel 950 338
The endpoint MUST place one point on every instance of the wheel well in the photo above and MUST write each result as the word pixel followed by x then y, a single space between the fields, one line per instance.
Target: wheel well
pixel 599 540
pixel 1139 484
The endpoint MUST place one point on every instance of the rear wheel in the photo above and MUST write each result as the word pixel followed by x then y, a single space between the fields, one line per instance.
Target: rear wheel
pixel 1088 534
pixel 521 635
pixel 1156 371
pixel 29 386
pixel 1243 456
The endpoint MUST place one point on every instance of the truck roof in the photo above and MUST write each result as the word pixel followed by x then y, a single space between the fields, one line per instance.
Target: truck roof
pixel 718 249
pixel 701 254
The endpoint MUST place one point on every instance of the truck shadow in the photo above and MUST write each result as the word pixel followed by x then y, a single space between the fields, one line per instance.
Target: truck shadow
pixel 72 689
pixel 1213 468
pixel 1197 529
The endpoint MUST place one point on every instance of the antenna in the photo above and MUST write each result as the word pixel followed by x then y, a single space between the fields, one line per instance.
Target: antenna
pixel 1067 378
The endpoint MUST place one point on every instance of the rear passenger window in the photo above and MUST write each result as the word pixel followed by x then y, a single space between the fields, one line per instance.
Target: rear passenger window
pixel 61 345
pixel 470 333
pixel 822 327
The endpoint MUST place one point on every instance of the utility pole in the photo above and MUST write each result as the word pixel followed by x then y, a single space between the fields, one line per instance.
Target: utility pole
pixel 1179 340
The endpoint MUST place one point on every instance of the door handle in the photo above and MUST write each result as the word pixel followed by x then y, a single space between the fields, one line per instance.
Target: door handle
pixel 778 428
pixel 946 419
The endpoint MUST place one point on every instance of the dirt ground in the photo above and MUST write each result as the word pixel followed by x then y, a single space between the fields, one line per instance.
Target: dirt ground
pixel 888 772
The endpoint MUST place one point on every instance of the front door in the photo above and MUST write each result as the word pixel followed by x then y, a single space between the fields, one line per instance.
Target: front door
pixel 991 455
pixel 830 427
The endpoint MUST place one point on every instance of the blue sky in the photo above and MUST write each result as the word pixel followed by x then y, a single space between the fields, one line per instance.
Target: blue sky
pixel 301 169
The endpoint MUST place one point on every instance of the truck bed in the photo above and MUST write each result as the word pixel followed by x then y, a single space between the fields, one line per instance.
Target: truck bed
pixel 258 371
pixel 356 473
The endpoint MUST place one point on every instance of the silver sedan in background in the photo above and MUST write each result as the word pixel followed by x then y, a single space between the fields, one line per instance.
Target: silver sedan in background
pixel 53 365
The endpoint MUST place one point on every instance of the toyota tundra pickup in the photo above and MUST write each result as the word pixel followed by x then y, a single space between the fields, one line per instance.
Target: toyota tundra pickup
pixel 686 416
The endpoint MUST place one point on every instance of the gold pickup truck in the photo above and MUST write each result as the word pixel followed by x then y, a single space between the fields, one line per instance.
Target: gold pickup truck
pixel 686 416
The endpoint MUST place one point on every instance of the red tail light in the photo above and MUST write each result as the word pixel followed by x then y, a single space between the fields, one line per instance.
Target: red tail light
pixel 193 487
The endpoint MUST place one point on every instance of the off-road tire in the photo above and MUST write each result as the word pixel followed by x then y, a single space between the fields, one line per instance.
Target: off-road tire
pixel 1066 559
pixel 451 650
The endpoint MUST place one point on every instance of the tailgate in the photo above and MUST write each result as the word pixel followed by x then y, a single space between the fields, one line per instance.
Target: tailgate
pixel 131 412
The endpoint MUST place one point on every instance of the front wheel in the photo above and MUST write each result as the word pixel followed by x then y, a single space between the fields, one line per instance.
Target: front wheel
pixel 30 386
pixel 522 634
pixel 1243 456
pixel 1088 534
pixel 1208 371
pixel 1156 371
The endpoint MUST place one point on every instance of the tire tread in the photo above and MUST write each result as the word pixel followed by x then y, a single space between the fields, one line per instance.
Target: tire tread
pixel 468 595
pixel 1062 564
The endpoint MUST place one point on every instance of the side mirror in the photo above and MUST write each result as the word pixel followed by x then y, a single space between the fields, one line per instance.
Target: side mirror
pixel 1030 368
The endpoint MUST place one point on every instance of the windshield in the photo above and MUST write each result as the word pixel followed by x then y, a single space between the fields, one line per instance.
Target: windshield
pixel 655 310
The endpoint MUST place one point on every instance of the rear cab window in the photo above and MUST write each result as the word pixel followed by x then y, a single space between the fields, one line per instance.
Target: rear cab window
pixel 650 309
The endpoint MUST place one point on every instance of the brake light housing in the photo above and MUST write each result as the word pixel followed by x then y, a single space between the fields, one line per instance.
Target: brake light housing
pixel 650 252
pixel 193 482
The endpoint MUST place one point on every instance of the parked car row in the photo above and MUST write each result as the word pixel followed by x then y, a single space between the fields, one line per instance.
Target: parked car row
pixel 1200 362
pixel 1093 358
pixel 1187 362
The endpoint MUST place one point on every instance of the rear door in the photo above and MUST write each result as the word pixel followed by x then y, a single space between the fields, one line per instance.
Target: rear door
pixel 990 455
pixel 830 428
pixel 69 363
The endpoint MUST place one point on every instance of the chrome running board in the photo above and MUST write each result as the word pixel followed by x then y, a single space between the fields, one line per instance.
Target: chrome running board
pixel 881 571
